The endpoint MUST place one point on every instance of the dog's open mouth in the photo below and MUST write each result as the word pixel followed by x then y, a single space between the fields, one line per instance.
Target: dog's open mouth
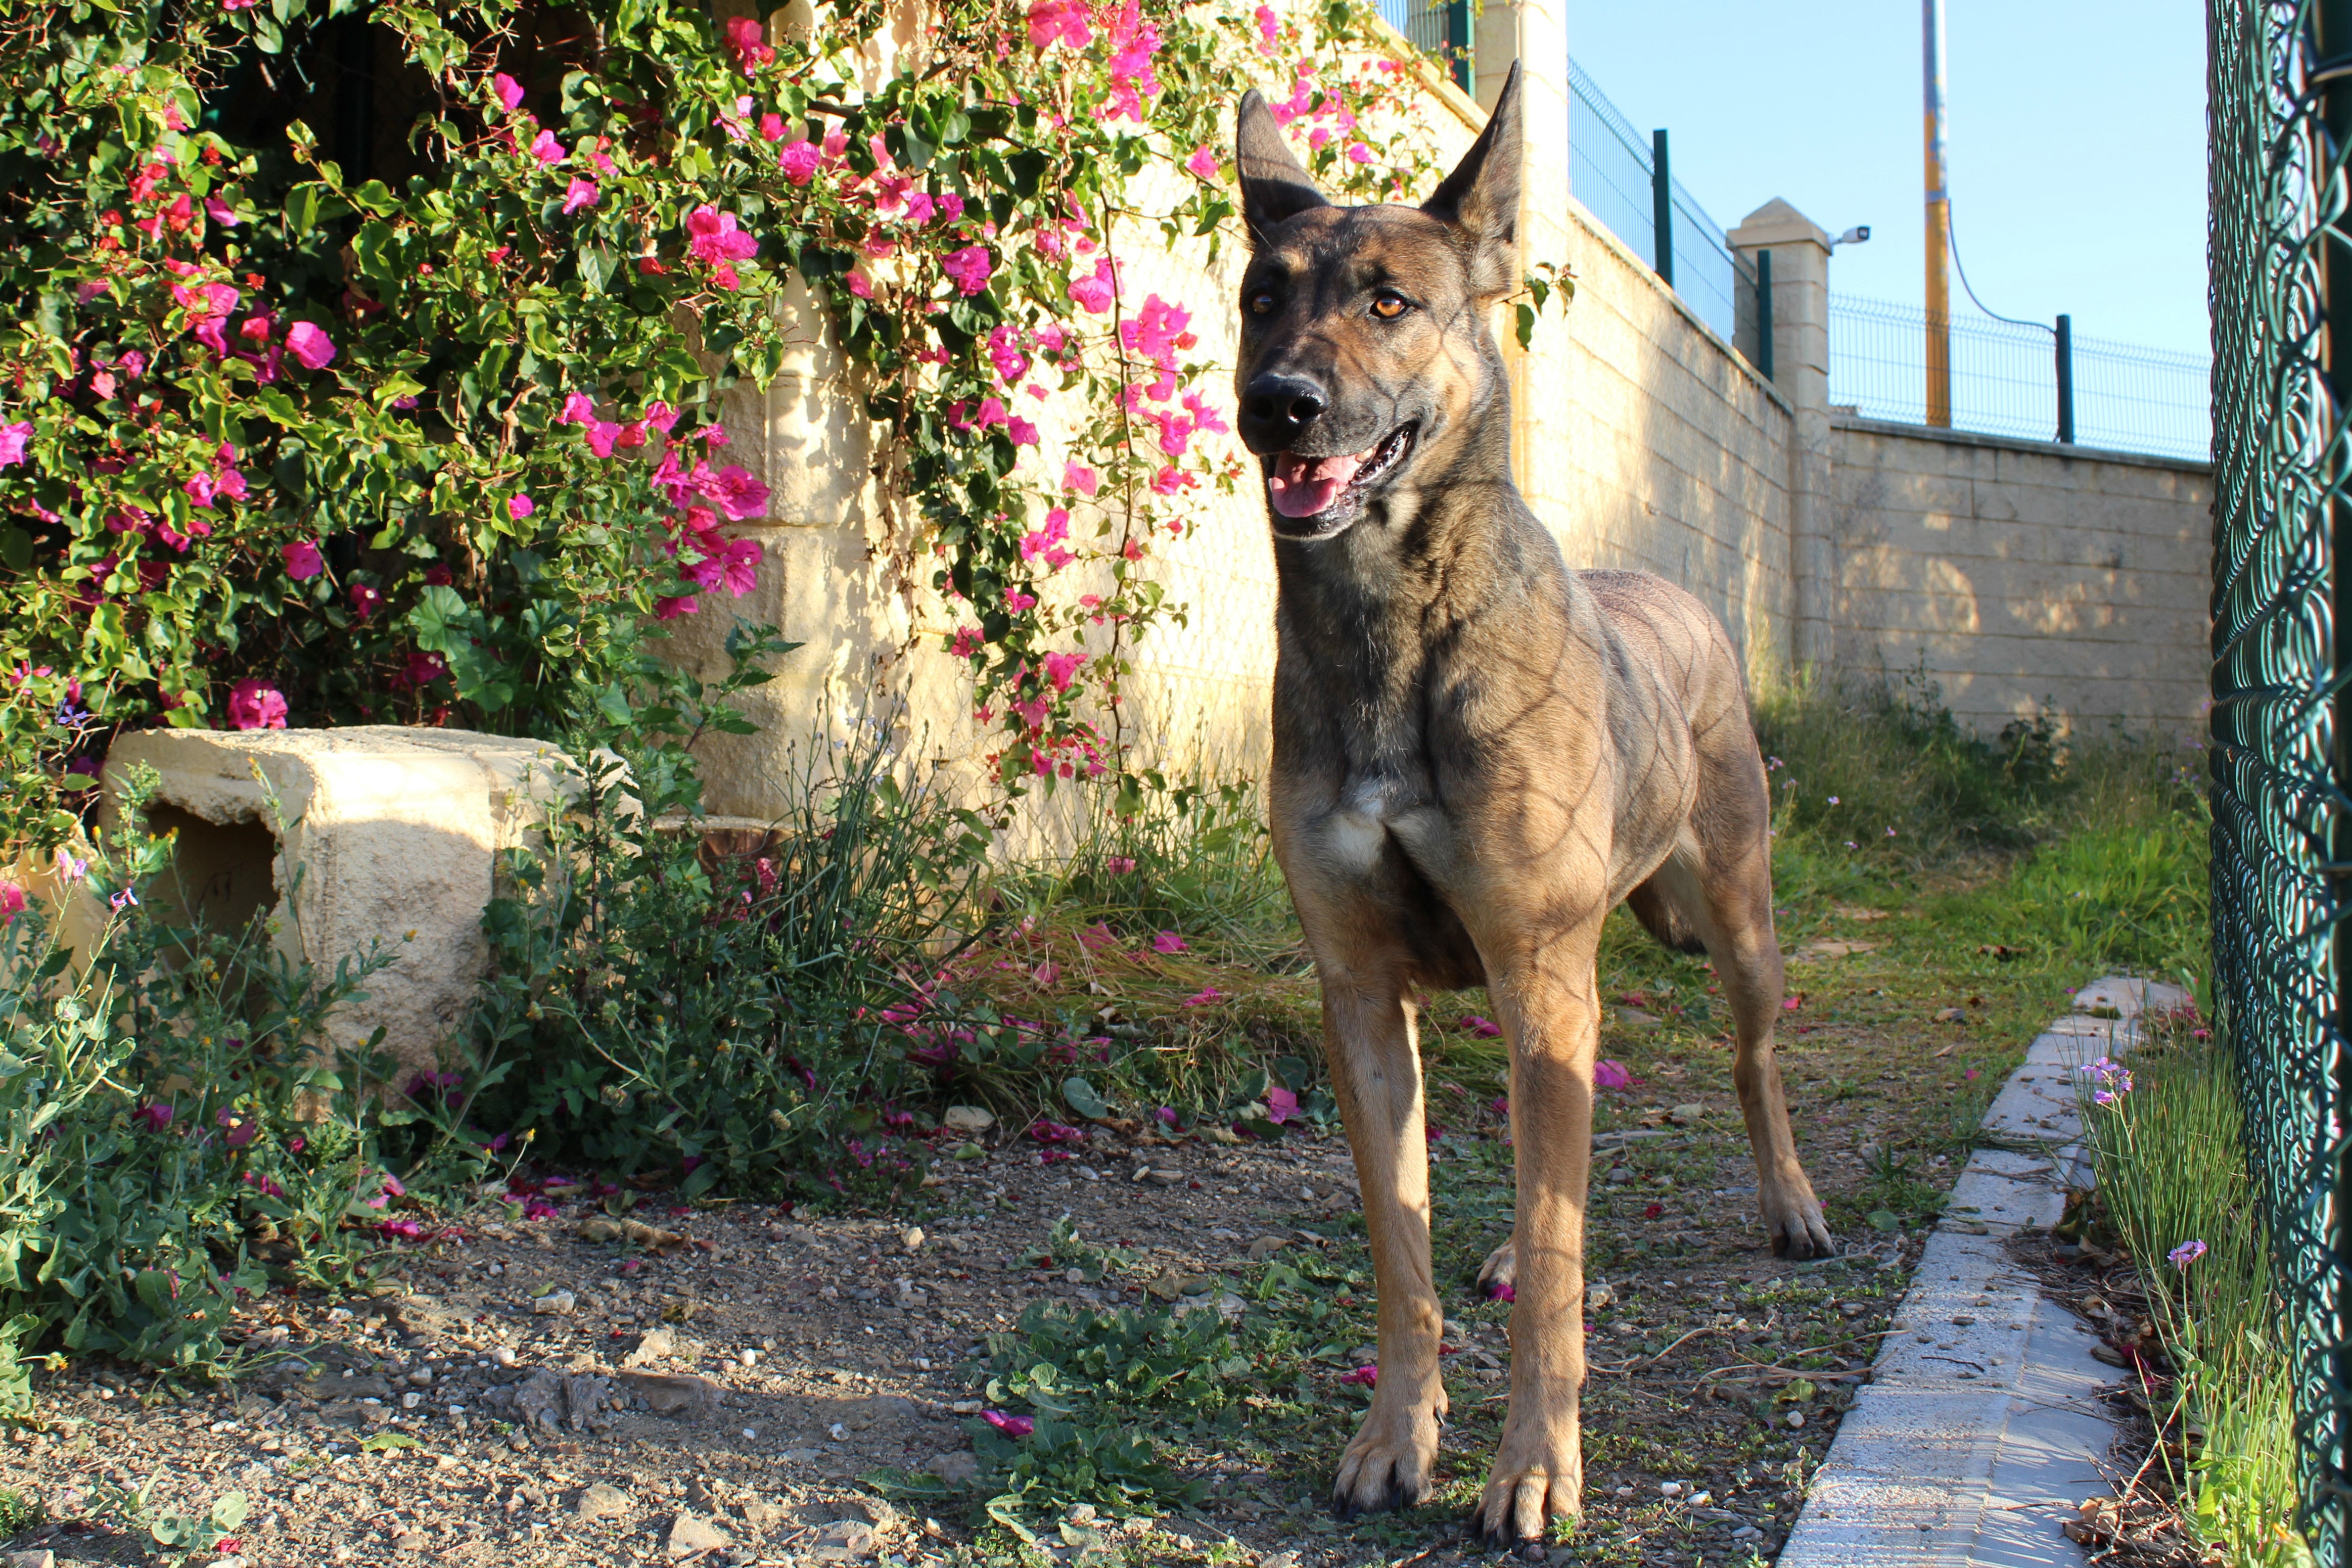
pixel 1326 491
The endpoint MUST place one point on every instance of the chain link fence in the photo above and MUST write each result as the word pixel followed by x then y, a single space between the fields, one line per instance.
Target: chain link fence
pixel 2280 109
pixel 2128 398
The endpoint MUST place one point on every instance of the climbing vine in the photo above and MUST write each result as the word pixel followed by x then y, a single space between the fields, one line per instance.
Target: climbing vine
pixel 365 359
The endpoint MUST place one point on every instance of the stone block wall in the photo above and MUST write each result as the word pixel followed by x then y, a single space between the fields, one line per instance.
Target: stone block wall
pixel 2029 578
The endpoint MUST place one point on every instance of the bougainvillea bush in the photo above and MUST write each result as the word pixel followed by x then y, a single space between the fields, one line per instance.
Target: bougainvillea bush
pixel 360 362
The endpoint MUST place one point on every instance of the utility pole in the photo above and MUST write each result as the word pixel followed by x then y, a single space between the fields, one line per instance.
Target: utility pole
pixel 1939 218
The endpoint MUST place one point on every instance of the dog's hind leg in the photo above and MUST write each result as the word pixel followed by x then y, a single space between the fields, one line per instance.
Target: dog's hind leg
pixel 1368 1038
pixel 1718 882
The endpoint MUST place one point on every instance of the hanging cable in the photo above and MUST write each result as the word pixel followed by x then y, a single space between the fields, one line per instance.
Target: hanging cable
pixel 1952 233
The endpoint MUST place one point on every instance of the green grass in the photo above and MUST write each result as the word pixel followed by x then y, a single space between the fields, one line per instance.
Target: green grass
pixel 2172 1170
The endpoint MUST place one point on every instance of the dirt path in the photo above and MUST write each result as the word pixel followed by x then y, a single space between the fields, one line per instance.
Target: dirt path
pixel 739 1392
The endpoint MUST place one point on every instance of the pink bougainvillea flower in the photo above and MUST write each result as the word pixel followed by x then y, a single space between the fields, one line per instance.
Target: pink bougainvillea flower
pixel 240 1130
pixel 735 491
pixel 578 195
pixel 968 269
pixel 510 91
pixel 1607 1074
pixel 155 1116
pixel 1046 1131
pixel 1368 1376
pixel 1358 154
pixel 1058 21
pixel 220 212
pixel 1502 1290
pixel 669 609
pixel 12 901
pixel 716 238
pixel 1011 1426
pixel 1483 1028
pixel 579 408
pixel 601 435
pixel 302 559
pixel 1059 669
pixel 860 285
pixel 969 642
pixel 745 40
pixel 1081 479
pixel 1119 865
pixel 13 441
pixel 799 162
pixel 547 148
pixel 520 506
pixel 740 566
pixel 365 600
pixel 2187 1253
pixel 1281 1106
pixel 1167 941
pixel 266 1186
pixel 255 704
pixel 1653 1210
pixel 312 346
pixel 1095 294
pixel 1203 164
pixel 1202 998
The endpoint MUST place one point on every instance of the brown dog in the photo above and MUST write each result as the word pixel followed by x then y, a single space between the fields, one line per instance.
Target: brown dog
pixel 1478 752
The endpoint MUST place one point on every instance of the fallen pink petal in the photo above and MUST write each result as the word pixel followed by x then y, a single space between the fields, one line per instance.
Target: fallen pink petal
pixel 1011 1426
pixel 1367 1376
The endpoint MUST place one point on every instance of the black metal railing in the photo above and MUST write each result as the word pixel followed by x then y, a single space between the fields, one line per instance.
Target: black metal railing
pixel 2035 383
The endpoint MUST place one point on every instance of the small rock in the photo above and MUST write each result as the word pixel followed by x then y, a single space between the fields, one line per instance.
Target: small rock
pixel 1307 1195
pixel 844 1541
pixel 911 1238
pixel 555 1304
pixel 504 1356
pixel 1670 1488
pixel 651 1348
pixel 1684 1115
pixel 680 1394
pixel 1279 1560
pixel 1796 1420
pixel 1951 1016
pixel 412 1540
pixel 1160 1178
pixel 956 1469
pixel 602 1502
pixel 43 1558
pixel 691 1535
pixel 421 1377
pixel 1633 1018
pixel 411 1400
pixel 970 1119
pixel 1265 1247
pixel 1597 1296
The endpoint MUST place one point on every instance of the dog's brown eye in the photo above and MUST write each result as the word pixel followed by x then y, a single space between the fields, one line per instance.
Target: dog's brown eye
pixel 1387 307
pixel 1261 303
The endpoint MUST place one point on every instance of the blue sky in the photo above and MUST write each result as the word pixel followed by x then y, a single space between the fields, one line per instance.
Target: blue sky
pixel 2076 132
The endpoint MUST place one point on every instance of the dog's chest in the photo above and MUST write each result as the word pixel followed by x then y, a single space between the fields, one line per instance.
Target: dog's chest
pixel 1372 811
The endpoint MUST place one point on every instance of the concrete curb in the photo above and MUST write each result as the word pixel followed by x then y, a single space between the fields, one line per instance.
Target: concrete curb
pixel 1979 1430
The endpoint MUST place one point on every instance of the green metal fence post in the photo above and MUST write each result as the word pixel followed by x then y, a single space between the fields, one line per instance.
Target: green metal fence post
pixel 1764 314
pixel 1458 41
pixel 1661 203
pixel 2066 381
pixel 2332 49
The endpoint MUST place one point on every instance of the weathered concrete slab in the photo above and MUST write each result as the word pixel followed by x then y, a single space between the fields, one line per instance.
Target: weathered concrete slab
pixel 1981 1428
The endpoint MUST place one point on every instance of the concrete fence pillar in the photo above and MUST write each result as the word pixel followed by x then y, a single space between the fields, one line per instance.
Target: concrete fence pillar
pixel 1800 369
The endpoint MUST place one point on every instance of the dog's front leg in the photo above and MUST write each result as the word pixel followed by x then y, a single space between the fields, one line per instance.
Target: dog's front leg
pixel 1367 1037
pixel 1548 1005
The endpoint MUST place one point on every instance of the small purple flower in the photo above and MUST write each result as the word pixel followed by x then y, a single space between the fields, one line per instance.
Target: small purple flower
pixel 2187 1253
pixel 155 1116
pixel 121 899
pixel 240 1130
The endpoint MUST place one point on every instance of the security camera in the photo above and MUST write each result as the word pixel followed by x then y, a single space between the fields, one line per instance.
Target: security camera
pixel 1854 235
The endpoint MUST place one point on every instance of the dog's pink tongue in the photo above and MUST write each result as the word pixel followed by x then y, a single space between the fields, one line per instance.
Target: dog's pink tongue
pixel 1302 487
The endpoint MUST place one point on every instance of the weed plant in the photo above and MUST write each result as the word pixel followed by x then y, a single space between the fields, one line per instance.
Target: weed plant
pixel 2165 1135
pixel 172 1136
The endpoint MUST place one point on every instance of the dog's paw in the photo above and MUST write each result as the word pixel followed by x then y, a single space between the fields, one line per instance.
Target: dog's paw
pixel 1537 1479
pixel 1390 1463
pixel 1496 1275
pixel 1793 1218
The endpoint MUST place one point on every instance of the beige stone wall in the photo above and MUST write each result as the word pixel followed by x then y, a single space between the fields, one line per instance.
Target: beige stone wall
pixel 1646 442
pixel 2030 578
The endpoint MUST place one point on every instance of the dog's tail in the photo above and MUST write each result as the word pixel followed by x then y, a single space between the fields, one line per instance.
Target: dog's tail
pixel 1662 919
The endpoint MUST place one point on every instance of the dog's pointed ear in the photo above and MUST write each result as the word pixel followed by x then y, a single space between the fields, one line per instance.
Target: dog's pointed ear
pixel 1275 189
pixel 1480 200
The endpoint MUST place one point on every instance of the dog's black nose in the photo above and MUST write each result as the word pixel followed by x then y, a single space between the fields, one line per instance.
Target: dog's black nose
pixel 1276 409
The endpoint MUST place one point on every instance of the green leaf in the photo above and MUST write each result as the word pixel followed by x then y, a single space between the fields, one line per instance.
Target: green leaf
pixel 1083 1099
pixel 15 548
pixel 1885 1219
pixel 384 1442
